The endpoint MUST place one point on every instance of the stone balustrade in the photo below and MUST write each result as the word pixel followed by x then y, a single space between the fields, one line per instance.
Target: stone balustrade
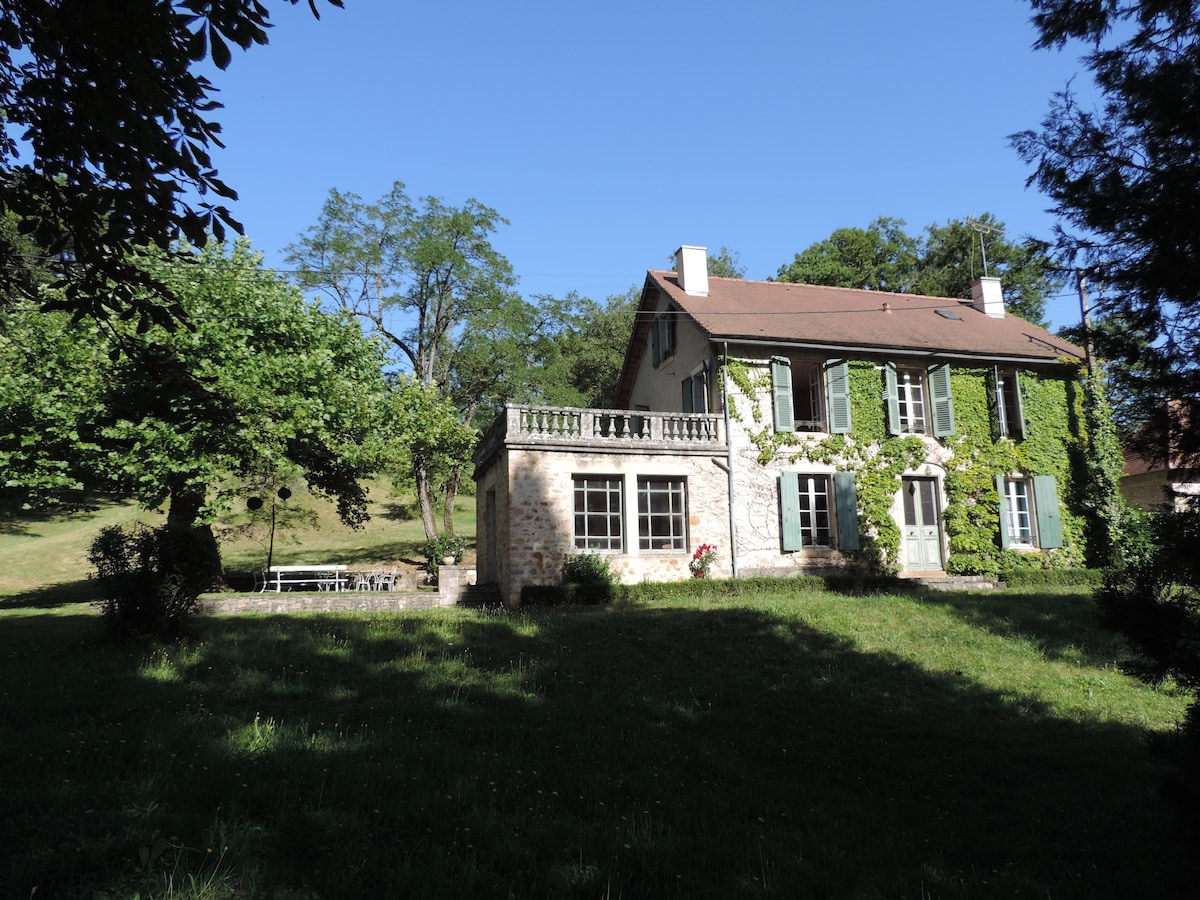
pixel 561 426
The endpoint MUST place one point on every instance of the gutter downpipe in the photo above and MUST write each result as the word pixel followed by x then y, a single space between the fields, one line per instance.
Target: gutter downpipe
pixel 728 464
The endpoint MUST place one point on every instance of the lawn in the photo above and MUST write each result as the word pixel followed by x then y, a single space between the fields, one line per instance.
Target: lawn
pixel 789 744
pixel 44 558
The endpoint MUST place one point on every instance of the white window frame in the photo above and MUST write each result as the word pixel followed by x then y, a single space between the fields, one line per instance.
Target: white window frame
pixel 912 398
pixel 816 522
pixel 674 490
pixel 598 490
pixel 1020 517
pixel 1009 415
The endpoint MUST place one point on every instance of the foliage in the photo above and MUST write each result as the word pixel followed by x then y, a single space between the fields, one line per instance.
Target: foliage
pixel 150 579
pixel 944 262
pixel 1153 597
pixel 702 560
pixel 425 439
pixel 880 257
pixel 423 278
pixel 1124 181
pixel 1025 577
pixel 104 103
pixel 438 549
pixel 587 568
pixel 261 382
pixel 579 359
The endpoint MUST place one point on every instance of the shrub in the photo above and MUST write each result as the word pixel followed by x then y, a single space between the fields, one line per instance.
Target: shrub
pixel 587 568
pixel 151 579
pixel 1025 577
pixel 438 549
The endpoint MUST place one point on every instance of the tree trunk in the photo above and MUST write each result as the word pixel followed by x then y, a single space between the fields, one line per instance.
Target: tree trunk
pixel 182 514
pixel 451 492
pixel 425 499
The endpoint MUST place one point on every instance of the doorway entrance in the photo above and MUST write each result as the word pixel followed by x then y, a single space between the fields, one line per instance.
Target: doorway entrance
pixel 922 528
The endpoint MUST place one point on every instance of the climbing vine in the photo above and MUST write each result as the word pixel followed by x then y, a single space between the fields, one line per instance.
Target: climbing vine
pixel 1052 445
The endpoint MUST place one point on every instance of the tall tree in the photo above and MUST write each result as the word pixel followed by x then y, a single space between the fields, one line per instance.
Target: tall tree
pixel 943 262
pixel 880 257
pixel 580 362
pixel 260 381
pixel 953 255
pixel 1124 179
pixel 419 276
pixel 107 129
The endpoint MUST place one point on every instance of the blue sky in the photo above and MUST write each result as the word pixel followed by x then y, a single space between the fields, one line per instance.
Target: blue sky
pixel 610 133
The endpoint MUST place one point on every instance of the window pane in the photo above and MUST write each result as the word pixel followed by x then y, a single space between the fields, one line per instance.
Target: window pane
pixel 662 514
pixel 814 511
pixel 598 513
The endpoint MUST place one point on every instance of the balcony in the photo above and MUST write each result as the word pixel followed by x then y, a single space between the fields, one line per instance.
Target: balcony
pixel 582 429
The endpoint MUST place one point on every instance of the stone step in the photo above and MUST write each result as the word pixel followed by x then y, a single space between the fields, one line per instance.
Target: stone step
pixel 957 582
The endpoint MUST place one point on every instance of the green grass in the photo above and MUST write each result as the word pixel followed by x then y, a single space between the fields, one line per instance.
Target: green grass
pixel 44 559
pixel 772 745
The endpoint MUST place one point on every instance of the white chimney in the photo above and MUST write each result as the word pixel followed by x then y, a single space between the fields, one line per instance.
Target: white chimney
pixel 987 297
pixel 691 264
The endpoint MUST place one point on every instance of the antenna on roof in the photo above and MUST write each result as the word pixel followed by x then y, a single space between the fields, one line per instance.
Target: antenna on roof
pixel 981 229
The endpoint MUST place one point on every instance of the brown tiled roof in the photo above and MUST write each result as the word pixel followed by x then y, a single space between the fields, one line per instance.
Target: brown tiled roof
pixel 830 317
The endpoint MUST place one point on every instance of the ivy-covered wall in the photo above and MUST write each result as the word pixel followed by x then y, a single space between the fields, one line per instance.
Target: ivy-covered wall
pixel 971 458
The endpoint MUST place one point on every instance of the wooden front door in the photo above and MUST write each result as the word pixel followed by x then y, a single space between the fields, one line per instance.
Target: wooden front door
pixel 922 527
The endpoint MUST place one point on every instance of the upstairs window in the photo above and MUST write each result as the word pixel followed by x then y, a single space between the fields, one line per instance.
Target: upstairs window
pixel 919 400
pixel 695 391
pixel 811 395
pixel 1010 422
pixel 663 336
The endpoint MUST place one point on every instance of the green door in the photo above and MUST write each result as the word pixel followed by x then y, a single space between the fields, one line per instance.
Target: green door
pixel 922 529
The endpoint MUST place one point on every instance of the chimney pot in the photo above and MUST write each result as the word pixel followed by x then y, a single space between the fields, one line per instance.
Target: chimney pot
pixel 691 265
pixel 987 297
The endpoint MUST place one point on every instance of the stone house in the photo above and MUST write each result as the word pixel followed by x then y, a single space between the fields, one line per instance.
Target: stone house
pixel 1162 475
pixel 799 429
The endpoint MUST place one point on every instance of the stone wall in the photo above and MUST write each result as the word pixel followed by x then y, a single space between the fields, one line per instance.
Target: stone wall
pixel 535 512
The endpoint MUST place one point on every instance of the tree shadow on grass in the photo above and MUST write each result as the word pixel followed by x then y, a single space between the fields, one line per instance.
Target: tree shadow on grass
pixel 50 596
pixel 1051 620
pixel 566 753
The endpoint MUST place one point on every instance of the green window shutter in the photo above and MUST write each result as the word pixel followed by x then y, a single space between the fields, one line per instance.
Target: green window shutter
pixel 781 390
pixel 943 405
pixel 1019 413
pixel 846 502
pixel 654 348
pixel 1005 538
pixel 837 389
pixel 789 505
pixel 688 406
pixel 893 398
pixel 1045 505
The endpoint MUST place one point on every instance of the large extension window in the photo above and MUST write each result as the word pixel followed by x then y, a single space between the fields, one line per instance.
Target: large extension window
pixel 598 512
pixel 662 513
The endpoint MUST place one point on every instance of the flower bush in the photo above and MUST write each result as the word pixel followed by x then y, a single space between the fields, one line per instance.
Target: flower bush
pixel 702 560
